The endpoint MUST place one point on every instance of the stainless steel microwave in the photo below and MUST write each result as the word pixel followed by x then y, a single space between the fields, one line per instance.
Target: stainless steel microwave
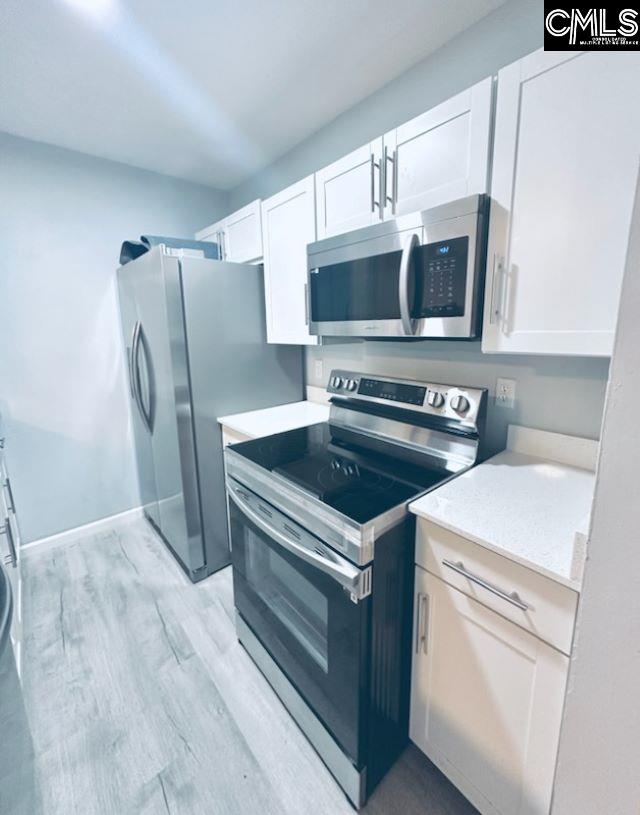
pixel 419 275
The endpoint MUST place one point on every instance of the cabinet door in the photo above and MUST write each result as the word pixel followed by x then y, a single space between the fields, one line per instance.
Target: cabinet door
pixel 288 225
pixel 348 191
pixel 213 233
pixel 243 234
pixel 441 155
pixel 567 142
pixel 486 701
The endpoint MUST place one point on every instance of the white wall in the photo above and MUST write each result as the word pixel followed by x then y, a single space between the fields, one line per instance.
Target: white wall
pixel 562 395
pixel 63 216
pixel 598 772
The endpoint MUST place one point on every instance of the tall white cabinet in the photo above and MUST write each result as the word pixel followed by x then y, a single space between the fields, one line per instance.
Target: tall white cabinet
pixel 288 225
pixel 566 152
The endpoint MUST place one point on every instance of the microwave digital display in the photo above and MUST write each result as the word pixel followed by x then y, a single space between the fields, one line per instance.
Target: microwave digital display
pixel 441 278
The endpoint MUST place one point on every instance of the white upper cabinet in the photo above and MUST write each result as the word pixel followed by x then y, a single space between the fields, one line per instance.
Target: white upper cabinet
pixel 566 150
pixel 435 158
pixel 288 225
pixel 348 191
pixel 441 155
pixel 239 235
pixel 212 233
pixel 243 234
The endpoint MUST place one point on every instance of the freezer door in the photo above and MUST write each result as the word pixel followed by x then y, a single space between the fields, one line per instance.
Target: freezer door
pixel 162 402
pixel 232 369
pixel 127 285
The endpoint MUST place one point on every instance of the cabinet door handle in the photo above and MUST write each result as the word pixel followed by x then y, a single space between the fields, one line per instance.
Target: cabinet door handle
pixel 306 304
pixel 510 597
pixel 393 186
pixel 422 623
pixel 12 503
pixel 496 288
pixel 12 557
pixel 374 165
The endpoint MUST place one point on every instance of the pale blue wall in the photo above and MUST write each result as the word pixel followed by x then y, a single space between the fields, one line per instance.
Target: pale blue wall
pixel 63 216
pixel 562 395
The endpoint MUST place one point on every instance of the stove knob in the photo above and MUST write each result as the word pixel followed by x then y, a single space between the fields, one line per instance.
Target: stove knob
pixel 351 384
pixel 460 403
pixel 435 399
pixel 336 382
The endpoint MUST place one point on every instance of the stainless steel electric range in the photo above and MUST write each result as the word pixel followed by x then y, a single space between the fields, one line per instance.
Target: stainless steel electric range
pixel 322 554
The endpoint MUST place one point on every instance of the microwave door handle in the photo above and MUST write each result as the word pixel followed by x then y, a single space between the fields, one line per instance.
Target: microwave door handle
pixel 410 244
pixel 356 581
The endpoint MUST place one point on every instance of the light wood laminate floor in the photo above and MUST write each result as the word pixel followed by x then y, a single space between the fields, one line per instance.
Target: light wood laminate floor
pixel 142 701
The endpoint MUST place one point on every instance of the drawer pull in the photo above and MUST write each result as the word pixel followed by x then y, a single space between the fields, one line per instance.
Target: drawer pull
pixel 512 598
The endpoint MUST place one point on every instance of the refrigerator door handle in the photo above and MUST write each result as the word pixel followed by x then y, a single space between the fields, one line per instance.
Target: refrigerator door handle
pixel 132 386
pixel 135 354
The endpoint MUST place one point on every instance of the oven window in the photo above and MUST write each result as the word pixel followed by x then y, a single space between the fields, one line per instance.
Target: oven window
pixel 299 606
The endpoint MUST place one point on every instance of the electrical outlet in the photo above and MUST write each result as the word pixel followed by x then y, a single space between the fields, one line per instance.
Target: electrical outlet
pixel 506 393
pixel 318 370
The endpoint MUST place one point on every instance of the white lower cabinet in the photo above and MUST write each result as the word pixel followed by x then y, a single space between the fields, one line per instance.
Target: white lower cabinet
pixel 486 700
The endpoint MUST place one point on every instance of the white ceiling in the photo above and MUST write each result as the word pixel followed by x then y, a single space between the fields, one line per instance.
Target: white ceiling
pixel 206 90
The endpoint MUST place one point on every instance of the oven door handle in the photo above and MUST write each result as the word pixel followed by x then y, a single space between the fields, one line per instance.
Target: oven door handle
pixel 357 582
pixel 408 325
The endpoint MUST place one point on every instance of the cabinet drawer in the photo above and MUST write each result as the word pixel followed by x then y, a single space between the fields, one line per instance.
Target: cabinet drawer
pixel 550 607
pixel 230 436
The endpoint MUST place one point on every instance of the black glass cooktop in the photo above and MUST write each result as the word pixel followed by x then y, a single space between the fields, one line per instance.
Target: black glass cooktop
pixel 357 482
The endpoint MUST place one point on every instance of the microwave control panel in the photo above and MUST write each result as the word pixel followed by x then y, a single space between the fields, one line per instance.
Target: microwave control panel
pixel 441 278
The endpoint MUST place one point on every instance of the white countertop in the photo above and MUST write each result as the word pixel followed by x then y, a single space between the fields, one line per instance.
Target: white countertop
pixel 523 504
pixel 257 423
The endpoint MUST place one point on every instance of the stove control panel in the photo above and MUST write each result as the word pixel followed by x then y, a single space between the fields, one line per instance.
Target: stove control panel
pixel 451 402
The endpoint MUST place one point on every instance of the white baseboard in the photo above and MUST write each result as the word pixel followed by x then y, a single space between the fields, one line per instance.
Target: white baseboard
pixel 78 532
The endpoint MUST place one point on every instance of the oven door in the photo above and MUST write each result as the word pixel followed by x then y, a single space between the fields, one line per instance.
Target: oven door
pixel 308 607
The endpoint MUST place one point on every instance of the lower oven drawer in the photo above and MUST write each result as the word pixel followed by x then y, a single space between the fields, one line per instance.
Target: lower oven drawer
pixel 550 607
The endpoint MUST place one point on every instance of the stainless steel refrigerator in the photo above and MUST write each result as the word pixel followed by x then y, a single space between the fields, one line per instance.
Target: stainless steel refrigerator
pixel 195 338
